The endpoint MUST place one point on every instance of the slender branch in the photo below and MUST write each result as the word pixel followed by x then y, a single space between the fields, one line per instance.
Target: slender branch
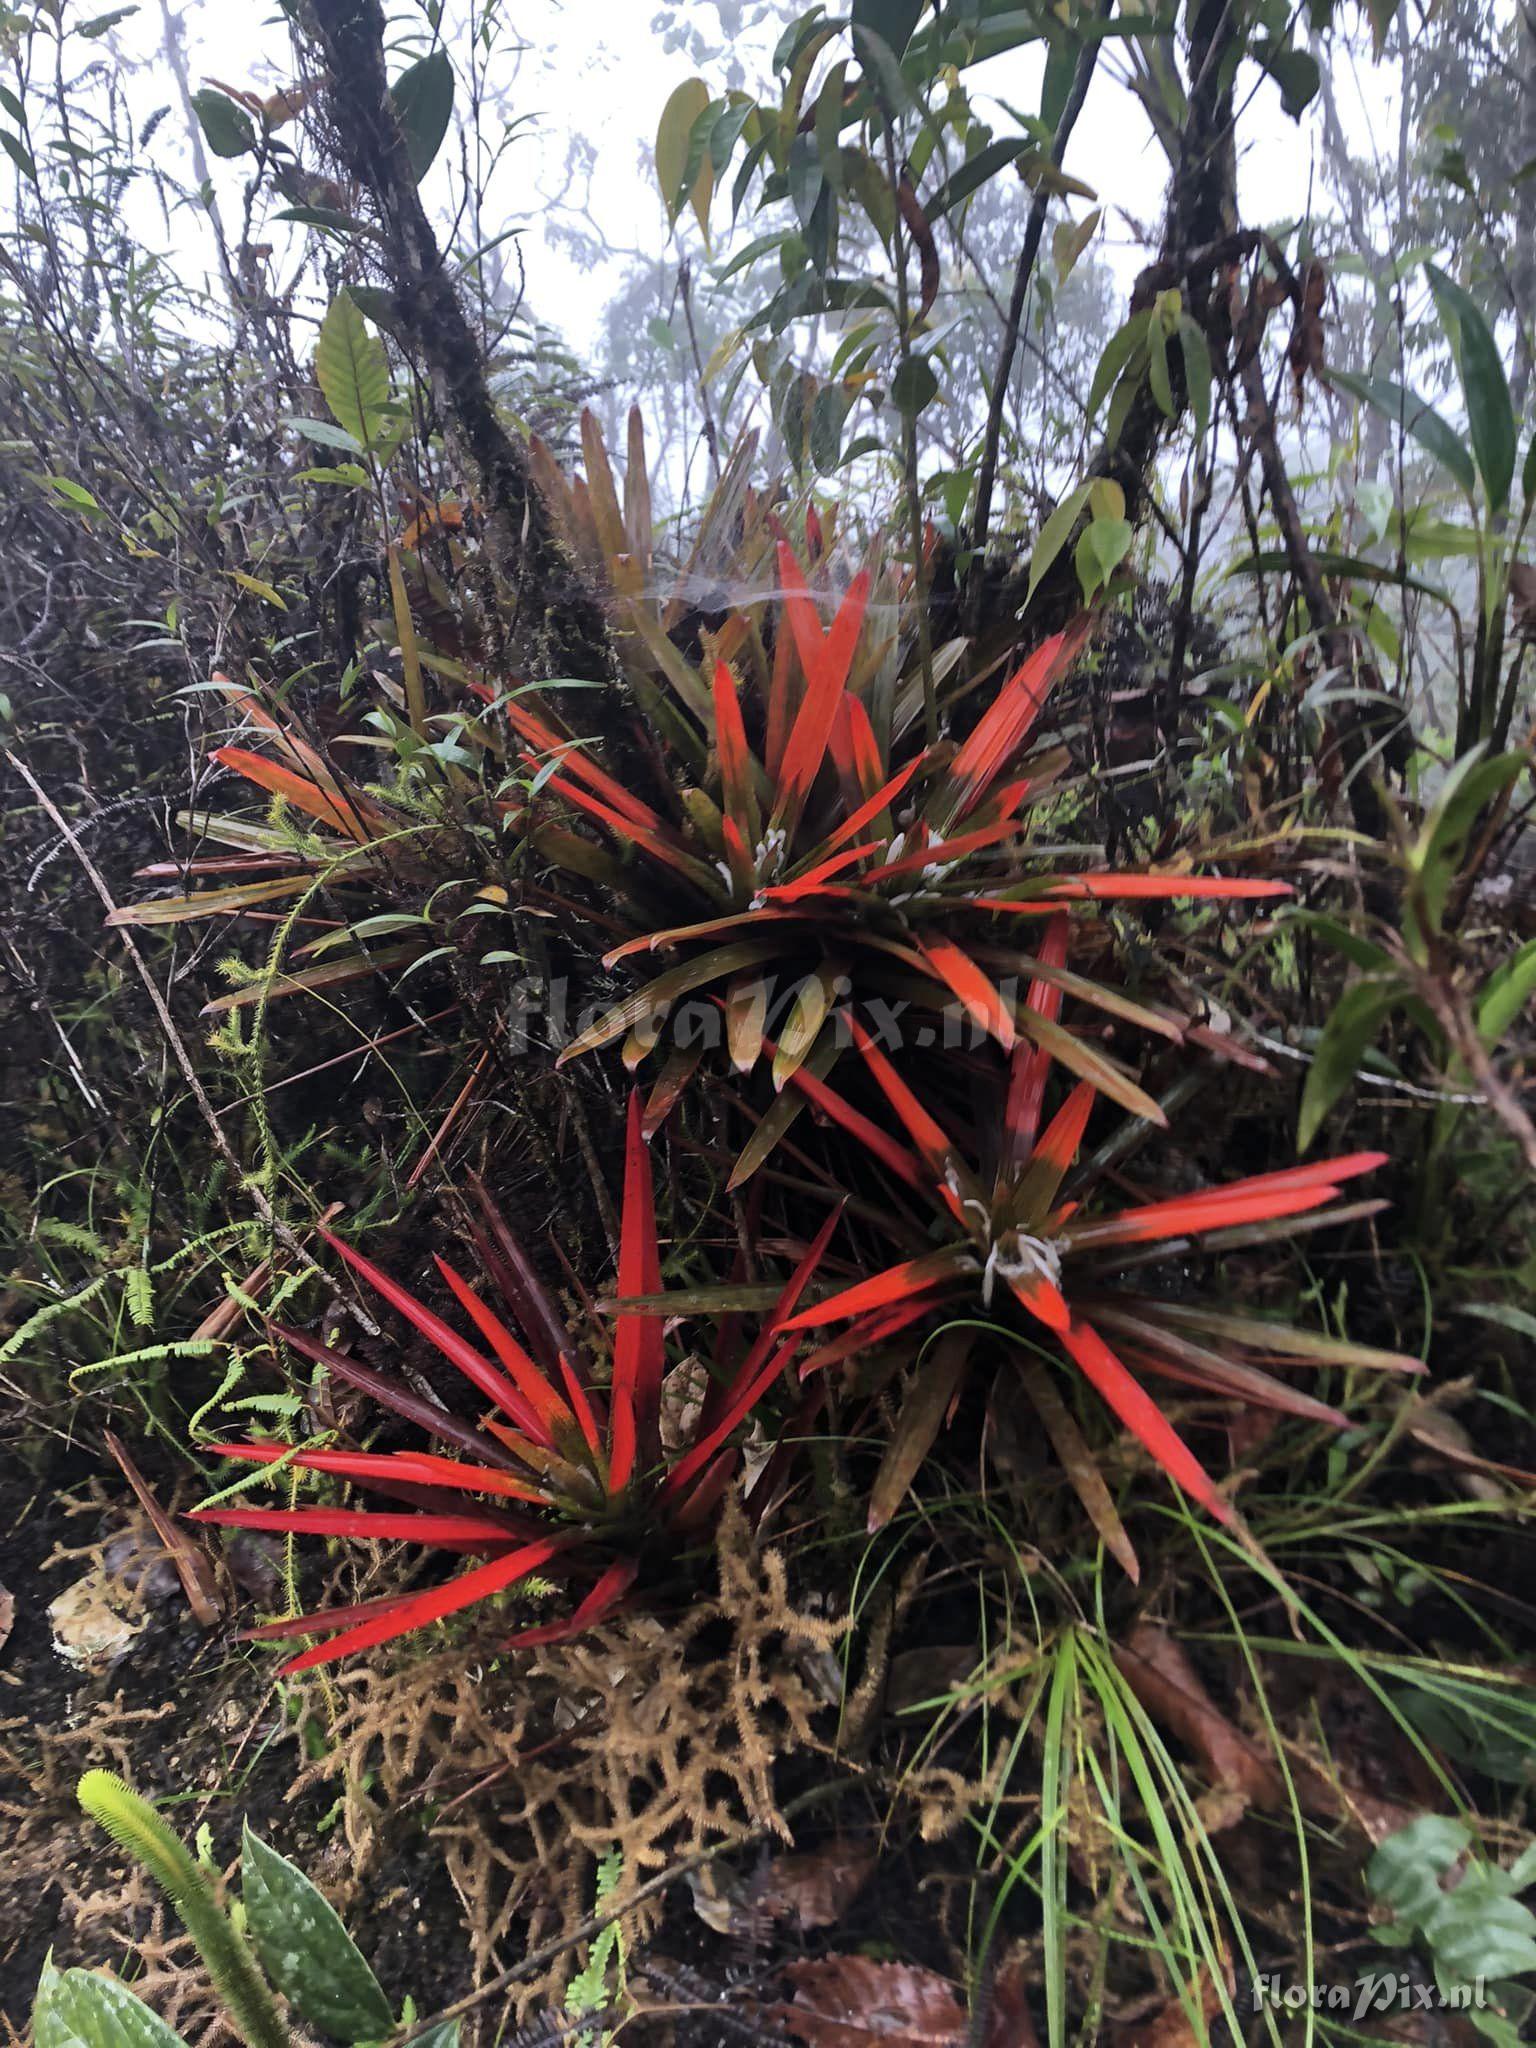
pixel 1034 229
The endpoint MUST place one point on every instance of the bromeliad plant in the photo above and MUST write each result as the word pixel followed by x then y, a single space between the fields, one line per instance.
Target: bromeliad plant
pixel 1009 1234
pixel 350 839
pixel 568 1472
pixel 802 860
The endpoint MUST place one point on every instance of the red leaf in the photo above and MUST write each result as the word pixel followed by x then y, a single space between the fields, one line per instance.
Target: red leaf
pixel 1032 1065
pixel 327 803
pixel 638 1340
pixel 417 1468
pixel 543 1411
pixel 898 1283
pixel 609 1590
pixel 574 761
pixel 857 1125
pixel 731 746
pixel 372 1525
pixel 979 997
pixel 826 660
pixel 1143 1418
pixel 475 1367
pixel 422 1608
pixel 1008 719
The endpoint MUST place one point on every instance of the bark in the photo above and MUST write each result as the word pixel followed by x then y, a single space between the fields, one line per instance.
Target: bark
pixel 546 612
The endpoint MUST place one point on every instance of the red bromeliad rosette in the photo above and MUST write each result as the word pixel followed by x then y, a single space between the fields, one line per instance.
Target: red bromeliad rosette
pixel 1011 1237
pixel 803 861
pixel 562 1472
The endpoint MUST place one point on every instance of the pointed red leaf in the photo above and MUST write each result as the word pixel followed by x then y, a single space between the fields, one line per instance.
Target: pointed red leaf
pixel 417 1468
pixel 371 1524
pixel 1032 1064
pixel 731 746
pixel 473 1364
pixel 327 802
pixel 638 1340
pixel 979 997
pixel 464 1591
pixel 924 1275
pixel 1008 719
pixel 540 1412
pixel 574 761
pixel 1143 1418
pixel 599 1603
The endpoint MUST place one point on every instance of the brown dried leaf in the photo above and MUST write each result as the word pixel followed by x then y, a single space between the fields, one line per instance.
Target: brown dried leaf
pixel 1168 1686
pixel 814 1888
pixel 1522 599
pixel 7 1615
pixel 848 2001
pixel 1171 2026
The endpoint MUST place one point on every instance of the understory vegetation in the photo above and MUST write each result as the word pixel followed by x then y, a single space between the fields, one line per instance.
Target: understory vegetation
pixel 768 1120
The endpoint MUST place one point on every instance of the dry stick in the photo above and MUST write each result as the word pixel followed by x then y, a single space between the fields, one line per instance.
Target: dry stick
pixel 1034 229
pixel 1360 743
pixel 685 293
pixel 909 446
pixel 173 1038
pixel 596 1922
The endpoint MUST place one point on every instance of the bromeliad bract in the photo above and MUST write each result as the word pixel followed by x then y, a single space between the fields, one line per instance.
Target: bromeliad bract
pixel 568 1470
pixel 1010 1236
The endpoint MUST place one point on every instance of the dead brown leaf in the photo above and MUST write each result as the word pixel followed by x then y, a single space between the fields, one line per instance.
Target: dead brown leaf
pixel 1522 599
pixel 1171 2025
pixel 1168 1686
pixel 7 1614
pixel 849 2001
pixel 814 1888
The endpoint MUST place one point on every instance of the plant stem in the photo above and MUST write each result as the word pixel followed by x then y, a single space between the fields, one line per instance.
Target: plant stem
pixel 135 1826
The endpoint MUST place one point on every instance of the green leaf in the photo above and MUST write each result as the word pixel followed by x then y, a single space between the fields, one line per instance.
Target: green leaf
pixel 1118 352
pixel 827 416
pixel 1197 371
pixel 445 2036
pixel 1490 410
pixel 1517 1319
pixel 914 386
pixel 1351 1028
pixel 423 97
pixel 1055 534
pixel 79 2009
pixel 1104 546
pixel 892 20
pixel 1504 995
pixel 305 1950
pixel 975 172
pixel 1406 1870
pixel 1297 74
pixel 1417 418
pixel 227 128
pixel 353 372
pixel 673 137
pixel 1475 1932
pixel 326 435
pixel 339 473
pixel 100 23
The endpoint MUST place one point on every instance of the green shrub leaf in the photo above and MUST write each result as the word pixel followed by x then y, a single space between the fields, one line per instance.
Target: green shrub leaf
pixel 79 2009
pixel 353 372
pixel 423 98
pixel 227 128
pixel 305 1950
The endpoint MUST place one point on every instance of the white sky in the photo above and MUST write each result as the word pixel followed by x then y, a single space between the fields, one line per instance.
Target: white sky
pixel 597 77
